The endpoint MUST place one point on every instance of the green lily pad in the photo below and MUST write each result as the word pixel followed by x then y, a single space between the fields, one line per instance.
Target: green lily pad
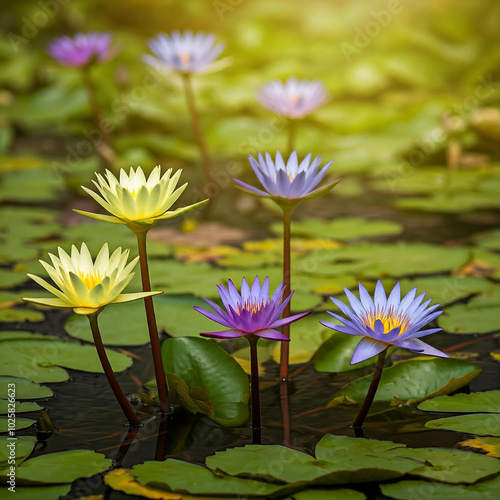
pixel 479 315
pixel 45 492
pixel 345 228
pixel 477 402
pixel 61 467
pixel 423 490
pixel 21 407
pixel 9 279
pixel 41 360
pixel 489 240
pixel 490 445
pixel 25 389
pixel 203 364
pixel 412 381
pixel 23 447
pixel 176 475
pixel 30 186
pixel 22 335
pixel 482 424
pixel 453 203
pixel 18 315
pixel 20 423
pixel 334 494
pixel 449 466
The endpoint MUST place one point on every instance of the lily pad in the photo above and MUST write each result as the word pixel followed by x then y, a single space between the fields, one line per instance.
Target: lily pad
pixel 25 389
pixel 41 360
pixel 9 279
pixel 412 381
pixel 203 364
pixel 334 494
pixel 20 423
pixel 21 407
pixel 490 445
pixel 453 203
pixel 477 402
pixel 424 490
pixel 45 492
pixel 482 424
pixel 18 315
pixel 345 228
pixel 23 447
pixel 61 467
pixel 489 240
pixel 176 475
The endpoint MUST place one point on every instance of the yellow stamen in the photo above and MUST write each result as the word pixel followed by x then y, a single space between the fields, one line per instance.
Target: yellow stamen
pixel 90 280
pixel 185 58
pixel 252 307
pixel 389 320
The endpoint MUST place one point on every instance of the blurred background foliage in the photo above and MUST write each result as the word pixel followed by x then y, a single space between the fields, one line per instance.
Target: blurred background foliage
pixel 406 78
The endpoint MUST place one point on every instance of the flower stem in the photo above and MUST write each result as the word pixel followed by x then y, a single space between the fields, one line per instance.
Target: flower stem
pixel 105 149
pixel 197 129
pixel 365 408
pixel 285 412
pixel 113 382
pixel 292 129
pixel 285 329
pixel 255 391
pixel 161 381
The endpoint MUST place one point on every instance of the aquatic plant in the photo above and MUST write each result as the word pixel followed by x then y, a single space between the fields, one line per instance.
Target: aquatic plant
pixel 287 184
pixel 382 322
pixel 88 286
pixel 252 314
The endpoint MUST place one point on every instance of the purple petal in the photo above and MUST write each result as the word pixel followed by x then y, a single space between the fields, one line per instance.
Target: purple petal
pixel 342 329
pixel 290 319
pixel 251 188
pixel 380 297
pixel 272 335
pixel 366 349
pixel 226 334
pixel 419 346
pixel 394 297
pixel 213 316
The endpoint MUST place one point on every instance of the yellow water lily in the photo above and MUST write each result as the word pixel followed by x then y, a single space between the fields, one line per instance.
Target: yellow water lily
pixel 85 285
pixel 135 201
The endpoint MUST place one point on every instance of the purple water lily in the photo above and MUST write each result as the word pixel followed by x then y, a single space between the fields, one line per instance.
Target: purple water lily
pixel 291 180
pixel 184 52
pixel 293 99
pixel 82 49
pixel 385 321
pixel 251 312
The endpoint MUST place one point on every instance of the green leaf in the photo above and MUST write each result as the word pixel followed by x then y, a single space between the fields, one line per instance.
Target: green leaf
pixel 412 381
pixel 423 490
pixel 17 315
pixel 25 389
pixel 203 364
pixel 23 447
pixel 20 423
pixel 334 494
pixel 345 228
pixel 21 407
pixel 477 402
pixel 491 445
pixel 40 360
pixel 42 492
pixel 176 475
pixel 61 467
pixel 482 424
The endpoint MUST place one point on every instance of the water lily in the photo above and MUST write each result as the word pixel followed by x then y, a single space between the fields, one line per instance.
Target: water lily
pixel 185 53
pixel 288 182
pixel 135 201
pixel 250 313
pixel 293 98
pixel 384 321
pixel 88 286
pixel 82 49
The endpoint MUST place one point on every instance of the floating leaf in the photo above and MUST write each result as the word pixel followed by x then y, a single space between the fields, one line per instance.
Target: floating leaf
pixel 61 467
pixel 452 203
pixel 423 490
pixel 21 407
pixel 345 228
pixel 19 423
pixel 477 402
pixel 203 364
pixel 489 240
pixel 42 492
pixel 482 424
pixel 23 446
pixel 334 494
pixel 40 360
pixel 491 445
pixel 176 475
pixel 412 381
pixel 25 389
pixel 17 315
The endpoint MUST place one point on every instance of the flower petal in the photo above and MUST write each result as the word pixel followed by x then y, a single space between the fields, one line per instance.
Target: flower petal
pixel 366 349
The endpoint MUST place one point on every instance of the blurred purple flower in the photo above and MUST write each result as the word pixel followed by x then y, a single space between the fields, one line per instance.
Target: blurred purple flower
pixel 252 312
pixel 82 49
pixel 290 181
pixel 184 52
pixel 386 321
pixel 293 99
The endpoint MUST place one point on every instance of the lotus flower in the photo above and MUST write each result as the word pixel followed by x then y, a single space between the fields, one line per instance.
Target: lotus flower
pixel 135 201
pixel 186 53
pixel 293 99
pixel 82 49
pixel 250 313
pixel 385 321
pixel 288 182
pixel 88 286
